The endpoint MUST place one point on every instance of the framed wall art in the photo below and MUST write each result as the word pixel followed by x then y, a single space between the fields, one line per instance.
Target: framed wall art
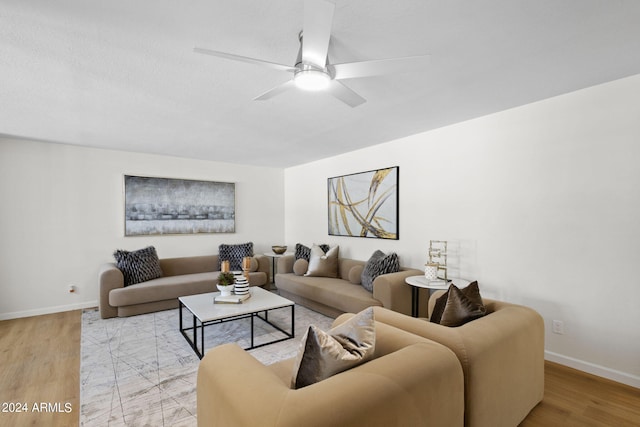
pixel 364 204
pixel 177 206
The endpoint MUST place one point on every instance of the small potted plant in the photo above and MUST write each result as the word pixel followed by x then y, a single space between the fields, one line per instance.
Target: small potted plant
pixel 225 283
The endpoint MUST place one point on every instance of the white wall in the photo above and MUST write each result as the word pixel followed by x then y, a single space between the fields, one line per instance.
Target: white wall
pixel 541 202
pixel 62 210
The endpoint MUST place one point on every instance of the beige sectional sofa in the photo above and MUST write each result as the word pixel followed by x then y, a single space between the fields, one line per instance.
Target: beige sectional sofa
pixel 344 294
pixel 411 381
pixel 501 354
pixel 181 276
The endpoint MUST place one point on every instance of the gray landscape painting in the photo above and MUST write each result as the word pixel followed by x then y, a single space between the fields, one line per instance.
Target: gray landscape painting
pixel 178 206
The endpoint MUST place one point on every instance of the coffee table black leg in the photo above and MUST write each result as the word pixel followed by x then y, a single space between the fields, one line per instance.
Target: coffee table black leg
pixel 252 316
pixel 293 322
pixel 195 337
pixel 415 299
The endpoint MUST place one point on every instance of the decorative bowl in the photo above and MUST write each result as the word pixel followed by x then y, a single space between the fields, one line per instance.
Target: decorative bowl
pixel 279 250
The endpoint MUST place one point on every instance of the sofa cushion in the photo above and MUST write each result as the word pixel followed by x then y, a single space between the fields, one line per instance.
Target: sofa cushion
pixel 458 306
pixel 234 254
pixel 378 264
pixel 304 252
pixel 323 264
pixel 138 266
pixel 300 267
pixel 336 293
pixel 164 288
pixel 323 354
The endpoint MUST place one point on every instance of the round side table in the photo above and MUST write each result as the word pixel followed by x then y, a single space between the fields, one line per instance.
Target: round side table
pixel 418 282
pixel 273 257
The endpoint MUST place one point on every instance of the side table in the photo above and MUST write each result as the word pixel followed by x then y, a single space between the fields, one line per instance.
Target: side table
pixel 274 257
pixel 418 282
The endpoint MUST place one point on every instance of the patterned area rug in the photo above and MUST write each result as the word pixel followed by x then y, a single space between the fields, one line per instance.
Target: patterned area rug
pixel 140 371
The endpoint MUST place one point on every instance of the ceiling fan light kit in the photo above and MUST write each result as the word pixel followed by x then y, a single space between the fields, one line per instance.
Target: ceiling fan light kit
pixel 312 72
pixel 311 79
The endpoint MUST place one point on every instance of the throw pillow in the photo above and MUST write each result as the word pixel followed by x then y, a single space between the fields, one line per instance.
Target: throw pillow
pixel 323 264
pixel 355 274
pixel 304 252
pixel 234 254
pixel 378 264
pixel 138 266
pixel 323 354
pixel 458 306
pixel 300 267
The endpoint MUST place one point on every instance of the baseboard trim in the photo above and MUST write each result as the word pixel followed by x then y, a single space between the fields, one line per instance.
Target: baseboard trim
pixel 592 368
pixel 47 310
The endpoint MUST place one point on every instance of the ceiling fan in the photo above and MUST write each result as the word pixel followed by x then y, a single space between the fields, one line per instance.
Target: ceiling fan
pixel 312 70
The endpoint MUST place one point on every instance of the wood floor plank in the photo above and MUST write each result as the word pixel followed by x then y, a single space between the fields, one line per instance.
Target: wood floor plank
pixel 40 363
pixel 40 374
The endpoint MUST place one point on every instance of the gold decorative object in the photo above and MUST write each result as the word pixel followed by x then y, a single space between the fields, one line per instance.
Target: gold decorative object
pixel 278 250
pixel 438 257
pixel 246 266
pixel 224 266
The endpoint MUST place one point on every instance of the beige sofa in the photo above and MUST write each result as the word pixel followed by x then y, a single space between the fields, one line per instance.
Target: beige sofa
pixel 501 354
pixel 411 381
pixel 335 296
pixel 181 276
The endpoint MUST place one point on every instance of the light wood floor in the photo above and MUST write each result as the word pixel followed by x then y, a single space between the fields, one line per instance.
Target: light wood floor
pixel 40 362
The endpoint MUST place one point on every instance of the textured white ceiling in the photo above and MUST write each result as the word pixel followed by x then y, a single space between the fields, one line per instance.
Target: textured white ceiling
pixel 122 74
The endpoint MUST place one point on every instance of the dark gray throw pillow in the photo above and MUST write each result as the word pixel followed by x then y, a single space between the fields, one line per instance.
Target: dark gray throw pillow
pixel 138 266
pixel 304 252
pixel 378 264
pixel 234 254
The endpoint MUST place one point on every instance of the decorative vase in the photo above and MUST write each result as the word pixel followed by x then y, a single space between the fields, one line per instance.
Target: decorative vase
pixel 431 271
pixel 225 291
pixel 241 283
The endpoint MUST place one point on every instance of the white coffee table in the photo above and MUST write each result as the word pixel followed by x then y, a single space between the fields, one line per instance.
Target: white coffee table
pixel 205 312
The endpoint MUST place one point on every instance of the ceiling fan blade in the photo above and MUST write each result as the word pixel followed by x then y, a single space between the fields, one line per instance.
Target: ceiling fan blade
pixel 351 70
pixel 316 32
pixel 345 94
pixel 233 57
pixel 275 91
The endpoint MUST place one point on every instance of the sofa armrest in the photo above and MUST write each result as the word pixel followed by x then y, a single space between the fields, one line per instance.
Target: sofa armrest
pixel 285 264
pixel 417 385
pixel 393 292
pixel 264 264
pixel 109 277
pixel 502 356
pixel 235 389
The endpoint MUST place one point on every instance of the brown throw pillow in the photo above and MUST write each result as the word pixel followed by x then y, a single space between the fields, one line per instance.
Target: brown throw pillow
pixel 323 354
pixel 471 292
pixel 461 308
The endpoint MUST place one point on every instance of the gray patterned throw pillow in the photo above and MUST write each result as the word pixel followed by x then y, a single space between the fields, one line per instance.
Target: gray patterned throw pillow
pixel 234 254
pixel 138 266
pixel 304 252
pixel 378 264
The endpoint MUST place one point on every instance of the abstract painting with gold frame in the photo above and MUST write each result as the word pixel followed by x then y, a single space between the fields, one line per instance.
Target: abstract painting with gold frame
pixel 365 204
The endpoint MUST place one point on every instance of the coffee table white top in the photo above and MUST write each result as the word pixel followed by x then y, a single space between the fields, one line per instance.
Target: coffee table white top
pixel 202 306
pixel 422 282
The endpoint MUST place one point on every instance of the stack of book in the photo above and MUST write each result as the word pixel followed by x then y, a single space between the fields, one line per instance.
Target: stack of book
pixel 231 299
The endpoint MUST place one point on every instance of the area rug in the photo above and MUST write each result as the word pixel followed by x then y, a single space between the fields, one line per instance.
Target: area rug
pixel 140 371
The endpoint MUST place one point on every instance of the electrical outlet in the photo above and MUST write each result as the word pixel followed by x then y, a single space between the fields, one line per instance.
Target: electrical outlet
pixel 558 327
